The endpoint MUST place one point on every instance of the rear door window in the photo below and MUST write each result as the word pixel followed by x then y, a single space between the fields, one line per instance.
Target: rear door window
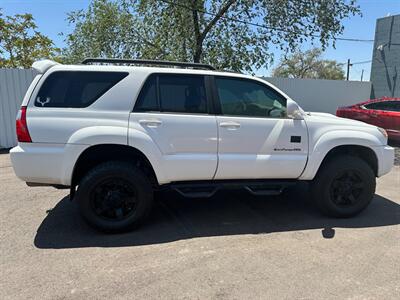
pixel 182 93
pixel 76 88
pixel 174 93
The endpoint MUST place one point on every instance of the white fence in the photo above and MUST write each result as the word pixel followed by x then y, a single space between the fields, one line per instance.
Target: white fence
pixel 323 95
pixel 13 85
pixel 311 94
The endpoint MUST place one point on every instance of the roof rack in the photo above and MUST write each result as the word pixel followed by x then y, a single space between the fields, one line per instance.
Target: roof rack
pixel 87 61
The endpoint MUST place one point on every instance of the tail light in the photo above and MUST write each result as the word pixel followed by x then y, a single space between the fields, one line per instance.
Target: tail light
pixel 22 127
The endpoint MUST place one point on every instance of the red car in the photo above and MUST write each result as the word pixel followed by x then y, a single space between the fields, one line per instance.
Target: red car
pixel 383 112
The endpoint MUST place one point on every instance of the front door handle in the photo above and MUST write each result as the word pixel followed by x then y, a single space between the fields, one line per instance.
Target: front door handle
pixel 150 123
pixel 230 125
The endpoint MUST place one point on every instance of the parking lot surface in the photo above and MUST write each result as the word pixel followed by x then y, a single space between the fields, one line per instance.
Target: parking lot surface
pixel 231 246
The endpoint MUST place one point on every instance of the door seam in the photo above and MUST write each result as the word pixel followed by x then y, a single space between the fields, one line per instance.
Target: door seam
pixel 216 169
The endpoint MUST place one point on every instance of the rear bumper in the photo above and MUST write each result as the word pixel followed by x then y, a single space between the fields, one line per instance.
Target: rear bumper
pixel 45 163
pixel 385 155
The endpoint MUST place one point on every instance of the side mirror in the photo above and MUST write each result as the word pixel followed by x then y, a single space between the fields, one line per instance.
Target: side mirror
pixel 294 111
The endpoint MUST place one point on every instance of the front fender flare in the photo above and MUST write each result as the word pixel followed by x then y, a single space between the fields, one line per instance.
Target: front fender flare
pixel 331 140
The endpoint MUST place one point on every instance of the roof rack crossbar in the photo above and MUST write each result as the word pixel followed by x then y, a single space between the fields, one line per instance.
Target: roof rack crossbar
pixel 87 61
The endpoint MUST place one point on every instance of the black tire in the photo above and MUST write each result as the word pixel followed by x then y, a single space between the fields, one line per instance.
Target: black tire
pixel 114 196
pixel 343 187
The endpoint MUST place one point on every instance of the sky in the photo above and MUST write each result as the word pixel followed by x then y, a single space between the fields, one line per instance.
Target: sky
pixel 50 16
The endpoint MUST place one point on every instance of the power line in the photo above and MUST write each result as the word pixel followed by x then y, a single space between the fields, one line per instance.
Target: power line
pixel 259 25
pixel 354 40
pixel 350 64
pixel 361 62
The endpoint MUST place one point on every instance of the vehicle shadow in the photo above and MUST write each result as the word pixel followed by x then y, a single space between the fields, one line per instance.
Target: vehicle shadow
pixel 4 150
pixel 227 213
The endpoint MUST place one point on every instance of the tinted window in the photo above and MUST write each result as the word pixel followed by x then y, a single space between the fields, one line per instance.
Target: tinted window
pixel 385 105
pixel 173 93
pixel 75 88
pixel 242 97
pixel 182 93
pixel 147 100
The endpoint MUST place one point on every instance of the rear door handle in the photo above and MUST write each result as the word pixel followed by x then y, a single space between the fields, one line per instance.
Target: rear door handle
pixel 230 125
pixel 150 123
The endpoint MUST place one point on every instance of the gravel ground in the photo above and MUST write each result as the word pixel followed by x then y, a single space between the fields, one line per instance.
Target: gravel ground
pixel 396 146
pixel 231 246
pixel 397 156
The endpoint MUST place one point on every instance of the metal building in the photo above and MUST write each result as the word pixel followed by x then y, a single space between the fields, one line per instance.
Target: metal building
pixel 385 69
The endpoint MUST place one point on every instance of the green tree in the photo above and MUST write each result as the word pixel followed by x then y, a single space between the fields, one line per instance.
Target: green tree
pixel 309 64
pixel 230 34
pixel 105 29
pixel 20 42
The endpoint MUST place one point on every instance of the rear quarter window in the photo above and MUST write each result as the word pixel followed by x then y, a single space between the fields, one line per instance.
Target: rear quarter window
pixel 76 88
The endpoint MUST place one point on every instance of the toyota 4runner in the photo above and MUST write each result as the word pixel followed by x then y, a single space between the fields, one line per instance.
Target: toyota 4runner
pixel 114 131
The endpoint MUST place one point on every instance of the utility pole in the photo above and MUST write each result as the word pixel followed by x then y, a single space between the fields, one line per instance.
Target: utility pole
pixel 348 69
pixel 362 74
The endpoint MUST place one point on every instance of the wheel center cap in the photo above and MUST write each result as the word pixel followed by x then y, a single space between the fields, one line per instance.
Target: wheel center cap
pixel 347 187
pixel 114 199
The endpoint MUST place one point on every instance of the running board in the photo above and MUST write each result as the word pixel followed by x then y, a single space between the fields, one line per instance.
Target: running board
pixel 206 189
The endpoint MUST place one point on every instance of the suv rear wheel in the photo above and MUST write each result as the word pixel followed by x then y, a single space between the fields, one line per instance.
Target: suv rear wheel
pixel 344 186
pixel 115 196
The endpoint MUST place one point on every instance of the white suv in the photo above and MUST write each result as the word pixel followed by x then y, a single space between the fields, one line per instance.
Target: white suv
pixel 114 131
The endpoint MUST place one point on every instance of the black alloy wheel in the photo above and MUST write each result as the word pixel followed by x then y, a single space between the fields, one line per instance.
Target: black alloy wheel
pixel 115 196
pixel 347 188
pixel 344 186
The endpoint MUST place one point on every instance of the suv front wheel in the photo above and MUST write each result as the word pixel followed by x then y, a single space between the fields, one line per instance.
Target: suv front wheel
pixel 115 196
pixel 344 186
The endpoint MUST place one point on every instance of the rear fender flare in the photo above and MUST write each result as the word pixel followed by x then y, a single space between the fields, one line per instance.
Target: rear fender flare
pixel 98 135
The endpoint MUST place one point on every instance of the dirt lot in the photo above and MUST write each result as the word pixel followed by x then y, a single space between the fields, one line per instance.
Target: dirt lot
pixel 230 246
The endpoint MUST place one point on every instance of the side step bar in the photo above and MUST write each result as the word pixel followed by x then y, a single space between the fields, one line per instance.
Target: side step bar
pixel 206 189
pixel 57 186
